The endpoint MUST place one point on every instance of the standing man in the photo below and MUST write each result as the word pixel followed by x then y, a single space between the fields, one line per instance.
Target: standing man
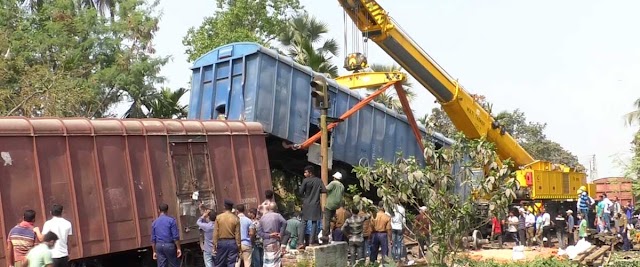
pixel 310 189
pixel 398 221
pixel 62 229
pixel 546 227
pixel 522 229
pixel 165 239
pixel 272 227
pixel 381 231
pixel 629 210
pixel 496 229
pixel 205 223
pixel 258 249
pixel 571 225
pixel 40 255
pixel 335 192
pixel 21 239
pixel 607 210
pixel 584 202
pixel 530 222
pixel 226 237
pixel 366 232
pixel 341 216
pixel 353 229
pixel 561 226
pixel 247 233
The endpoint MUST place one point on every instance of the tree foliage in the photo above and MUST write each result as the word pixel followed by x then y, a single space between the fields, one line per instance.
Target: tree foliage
pixel 63 58
pixel 443 186
pixel 634 116
pixel 304 41
pixel 530 135
pixel 259 21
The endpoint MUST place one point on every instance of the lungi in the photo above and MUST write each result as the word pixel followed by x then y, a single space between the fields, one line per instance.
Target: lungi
pixel 272 255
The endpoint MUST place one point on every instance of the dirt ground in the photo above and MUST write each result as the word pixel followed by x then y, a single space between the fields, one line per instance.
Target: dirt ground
pixel 504 255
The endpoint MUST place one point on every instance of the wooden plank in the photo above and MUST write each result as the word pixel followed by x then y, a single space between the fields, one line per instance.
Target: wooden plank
pixel 597 254
pixel 585 253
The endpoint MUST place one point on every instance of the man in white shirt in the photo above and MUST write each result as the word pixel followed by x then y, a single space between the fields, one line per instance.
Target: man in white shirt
pixel 608 206
pixel 398 220
pixel 530 223
pixel 62 228
pixel 546 227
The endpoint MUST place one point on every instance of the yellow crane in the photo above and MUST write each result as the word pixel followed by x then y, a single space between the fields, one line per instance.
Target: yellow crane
pixel 540 181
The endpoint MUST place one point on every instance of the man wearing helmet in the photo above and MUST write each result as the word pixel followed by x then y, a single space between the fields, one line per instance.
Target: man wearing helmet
pixel 584 202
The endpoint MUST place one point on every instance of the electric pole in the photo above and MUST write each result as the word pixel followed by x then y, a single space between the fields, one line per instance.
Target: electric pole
pixel 320 94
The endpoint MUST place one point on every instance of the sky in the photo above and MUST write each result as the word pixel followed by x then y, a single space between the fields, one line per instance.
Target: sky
pixel 574 65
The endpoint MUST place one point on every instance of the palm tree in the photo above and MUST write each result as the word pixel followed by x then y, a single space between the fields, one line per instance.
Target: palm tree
pixel 141 99
pixel 390 98
pixel 634 116
pixel 167 106
pixel 304 42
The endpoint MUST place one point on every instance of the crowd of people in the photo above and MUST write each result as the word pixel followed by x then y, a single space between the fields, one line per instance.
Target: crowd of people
pixel 28 246
pixel 525 228
pixel 260 236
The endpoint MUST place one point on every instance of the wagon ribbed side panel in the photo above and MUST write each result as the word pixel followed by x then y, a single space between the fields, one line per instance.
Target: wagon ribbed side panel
pixel 245 81
pixel 110 175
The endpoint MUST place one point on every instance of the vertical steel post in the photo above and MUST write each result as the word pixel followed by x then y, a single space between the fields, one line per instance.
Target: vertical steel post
pixel 321 94
pixel 324 151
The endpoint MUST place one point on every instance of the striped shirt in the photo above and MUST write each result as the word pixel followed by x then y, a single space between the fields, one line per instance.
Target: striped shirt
pixel 584 201
pixel 23 238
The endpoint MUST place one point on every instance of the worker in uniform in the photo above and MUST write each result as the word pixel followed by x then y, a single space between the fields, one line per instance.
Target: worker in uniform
pixel 226 237
pixel 584 202
pixel 381 231
pixel 165 239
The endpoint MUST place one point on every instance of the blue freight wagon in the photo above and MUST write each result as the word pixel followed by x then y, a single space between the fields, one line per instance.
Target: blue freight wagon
pixel 245 81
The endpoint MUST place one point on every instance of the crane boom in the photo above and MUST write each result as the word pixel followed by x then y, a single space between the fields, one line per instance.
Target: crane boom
pixel 466 114
pixel 538 179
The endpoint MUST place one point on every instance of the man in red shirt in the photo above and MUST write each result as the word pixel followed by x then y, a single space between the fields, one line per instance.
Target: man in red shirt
pixel 496 230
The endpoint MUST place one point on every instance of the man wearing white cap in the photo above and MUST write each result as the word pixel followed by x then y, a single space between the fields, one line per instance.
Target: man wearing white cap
pixel 335 192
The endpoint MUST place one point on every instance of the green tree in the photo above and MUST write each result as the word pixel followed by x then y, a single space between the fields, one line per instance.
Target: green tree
pixel 166 105
pixel 390 98
pixel 451 212
pixel 438 121
pixel 304 41
pixel 62 60
pixel 259 21
pixel 634 116
pixel 530 135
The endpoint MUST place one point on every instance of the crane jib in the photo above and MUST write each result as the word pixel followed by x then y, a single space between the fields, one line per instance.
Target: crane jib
pixel 417 70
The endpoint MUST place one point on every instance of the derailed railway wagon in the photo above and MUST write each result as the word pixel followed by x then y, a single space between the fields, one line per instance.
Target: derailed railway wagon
pixel 111 174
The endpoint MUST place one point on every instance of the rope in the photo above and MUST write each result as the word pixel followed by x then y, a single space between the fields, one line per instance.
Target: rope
pixel 354 109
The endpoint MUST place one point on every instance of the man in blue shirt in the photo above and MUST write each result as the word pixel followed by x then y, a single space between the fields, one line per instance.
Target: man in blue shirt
pixel 205 223
pixel 247 234
pixel 165 239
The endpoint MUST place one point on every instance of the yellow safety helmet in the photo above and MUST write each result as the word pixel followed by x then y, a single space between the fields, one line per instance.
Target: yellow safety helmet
pixel 583 188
